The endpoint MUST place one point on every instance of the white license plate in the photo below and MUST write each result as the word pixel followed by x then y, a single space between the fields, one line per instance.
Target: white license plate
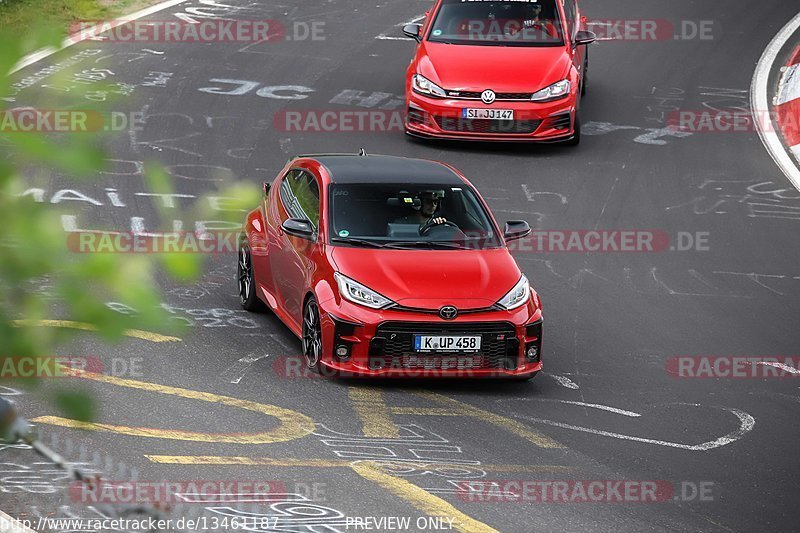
pixel 447 343
pixel 488 114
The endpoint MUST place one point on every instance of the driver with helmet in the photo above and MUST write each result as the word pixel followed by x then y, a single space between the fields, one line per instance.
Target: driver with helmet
pixel 429 202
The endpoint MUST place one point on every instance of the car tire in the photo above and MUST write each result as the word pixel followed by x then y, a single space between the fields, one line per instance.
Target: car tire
pixel 245 276
pixel 312 334
pixel 576 138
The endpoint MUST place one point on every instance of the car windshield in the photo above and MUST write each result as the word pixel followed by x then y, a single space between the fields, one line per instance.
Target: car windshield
pixel 410 216
pixel 505 23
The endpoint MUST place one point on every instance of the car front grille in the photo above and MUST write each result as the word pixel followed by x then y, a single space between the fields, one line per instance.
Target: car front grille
pixel 393 346
pixel 465 125
pixel 473 95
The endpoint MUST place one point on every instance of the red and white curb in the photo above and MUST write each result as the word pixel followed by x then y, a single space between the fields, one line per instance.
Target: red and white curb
pixel 760 92
pixel 787 103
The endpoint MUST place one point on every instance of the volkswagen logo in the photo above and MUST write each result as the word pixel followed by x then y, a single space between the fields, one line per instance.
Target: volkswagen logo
pixel 488 96
pixel 448 312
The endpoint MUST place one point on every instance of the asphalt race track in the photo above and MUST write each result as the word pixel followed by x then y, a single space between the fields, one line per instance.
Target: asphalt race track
pixel 605 408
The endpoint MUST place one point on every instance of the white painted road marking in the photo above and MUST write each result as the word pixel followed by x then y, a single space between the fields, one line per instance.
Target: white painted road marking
pixel 746 424
pixel 238 370
pixel 564 381
pixel 82 35
pixel 782 366
pixel 582 404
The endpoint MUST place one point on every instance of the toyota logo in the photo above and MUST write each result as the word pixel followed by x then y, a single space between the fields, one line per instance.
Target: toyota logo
pixel 488 96
pixel 448 312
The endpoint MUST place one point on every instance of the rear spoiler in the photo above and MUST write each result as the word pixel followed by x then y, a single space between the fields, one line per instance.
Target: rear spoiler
pixel 361 153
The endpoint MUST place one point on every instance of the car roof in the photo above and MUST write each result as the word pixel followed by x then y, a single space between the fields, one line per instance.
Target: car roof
pixel 385 169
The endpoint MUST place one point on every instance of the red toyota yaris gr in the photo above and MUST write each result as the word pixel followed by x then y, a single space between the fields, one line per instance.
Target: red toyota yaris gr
pixel 387 266
pixel 498 70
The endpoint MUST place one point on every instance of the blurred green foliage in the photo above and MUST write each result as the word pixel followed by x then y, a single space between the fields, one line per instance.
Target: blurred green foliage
pixel 33 244
pixel 18 14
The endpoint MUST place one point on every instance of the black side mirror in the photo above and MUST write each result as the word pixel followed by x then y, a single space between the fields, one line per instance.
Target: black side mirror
pixel 516 229
pixel 8 421
pixel 412 30
pixel 266 188
pixel 584 37
pixel 299 227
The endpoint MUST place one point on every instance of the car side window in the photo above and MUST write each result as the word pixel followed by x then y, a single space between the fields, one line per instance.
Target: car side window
pixel 570 12
pixel 477 218
pixel 287 197
pixel 300 196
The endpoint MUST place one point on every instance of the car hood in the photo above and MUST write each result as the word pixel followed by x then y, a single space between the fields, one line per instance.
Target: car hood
pixel 500 68
pixel 431 278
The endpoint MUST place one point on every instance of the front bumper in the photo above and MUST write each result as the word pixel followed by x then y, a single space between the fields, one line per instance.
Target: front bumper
pixel 440 118
pixel 380 342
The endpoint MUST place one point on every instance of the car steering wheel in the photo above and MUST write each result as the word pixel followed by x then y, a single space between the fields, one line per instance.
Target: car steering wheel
pixel 431 224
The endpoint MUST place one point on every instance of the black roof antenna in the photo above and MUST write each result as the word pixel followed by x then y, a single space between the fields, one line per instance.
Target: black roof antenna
pixel 362 153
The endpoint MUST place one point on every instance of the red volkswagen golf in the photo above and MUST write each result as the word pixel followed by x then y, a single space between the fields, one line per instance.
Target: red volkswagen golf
pixel 387 266
pixel 498 70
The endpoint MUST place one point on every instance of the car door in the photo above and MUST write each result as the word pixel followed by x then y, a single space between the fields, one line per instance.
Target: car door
pixel 260 244
pixel 292 261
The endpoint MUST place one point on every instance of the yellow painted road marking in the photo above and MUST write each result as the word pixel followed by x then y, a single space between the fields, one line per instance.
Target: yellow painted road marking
pixel 531 469
pixel 373 412
pixel 426 411
pixel 324 463
pixel 135 333
pixel 292 425
pixel 248 461
pixel 509 424
pixel 421 499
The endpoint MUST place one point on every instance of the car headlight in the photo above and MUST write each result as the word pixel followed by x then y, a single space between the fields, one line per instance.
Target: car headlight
pixel 558 90
pixel 517 296
pixel 425 86
pixel 357 293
